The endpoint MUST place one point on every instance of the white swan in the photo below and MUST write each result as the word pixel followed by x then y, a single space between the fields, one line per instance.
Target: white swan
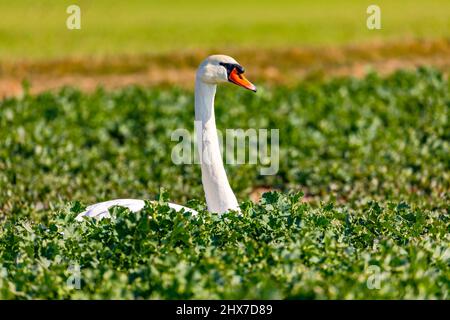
pixel 219 196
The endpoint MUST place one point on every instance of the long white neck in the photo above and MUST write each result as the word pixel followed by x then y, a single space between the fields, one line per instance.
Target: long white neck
pixel 219 196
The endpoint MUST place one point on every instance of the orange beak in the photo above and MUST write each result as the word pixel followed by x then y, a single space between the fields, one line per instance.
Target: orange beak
pixel 240 80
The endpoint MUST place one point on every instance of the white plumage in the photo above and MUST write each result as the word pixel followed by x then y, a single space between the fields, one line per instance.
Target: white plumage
pixel 100 210
pixel 220 198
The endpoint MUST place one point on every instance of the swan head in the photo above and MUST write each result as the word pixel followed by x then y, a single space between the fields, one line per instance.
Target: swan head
pixel 220 68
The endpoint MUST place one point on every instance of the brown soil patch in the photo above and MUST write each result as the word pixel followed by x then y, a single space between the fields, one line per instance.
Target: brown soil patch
pixel 257 193
pixel 272 66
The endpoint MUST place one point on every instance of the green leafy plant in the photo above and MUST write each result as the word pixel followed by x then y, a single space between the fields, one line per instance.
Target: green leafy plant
pixel 371 157
pixel 279 248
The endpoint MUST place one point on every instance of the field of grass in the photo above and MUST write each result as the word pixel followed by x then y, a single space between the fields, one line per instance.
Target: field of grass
pixel 370 155
pixel 37 29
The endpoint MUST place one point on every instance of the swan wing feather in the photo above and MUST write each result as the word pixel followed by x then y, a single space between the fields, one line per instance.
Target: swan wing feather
pixel 101 210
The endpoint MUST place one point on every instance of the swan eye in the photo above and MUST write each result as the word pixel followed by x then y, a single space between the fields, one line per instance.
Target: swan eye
pixel 240 69
pixel 231 66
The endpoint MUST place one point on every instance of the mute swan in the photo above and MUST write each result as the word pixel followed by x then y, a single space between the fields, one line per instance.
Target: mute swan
pixel 220 198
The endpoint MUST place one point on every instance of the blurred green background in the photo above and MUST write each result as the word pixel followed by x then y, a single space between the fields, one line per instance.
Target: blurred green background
pixel 37 29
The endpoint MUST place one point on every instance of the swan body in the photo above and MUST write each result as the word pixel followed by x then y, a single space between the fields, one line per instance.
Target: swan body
pixel 219 196
pixel 101 210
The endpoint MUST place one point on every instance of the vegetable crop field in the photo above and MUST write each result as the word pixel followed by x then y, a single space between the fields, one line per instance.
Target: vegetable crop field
pixel 140 26
pixel 361 208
